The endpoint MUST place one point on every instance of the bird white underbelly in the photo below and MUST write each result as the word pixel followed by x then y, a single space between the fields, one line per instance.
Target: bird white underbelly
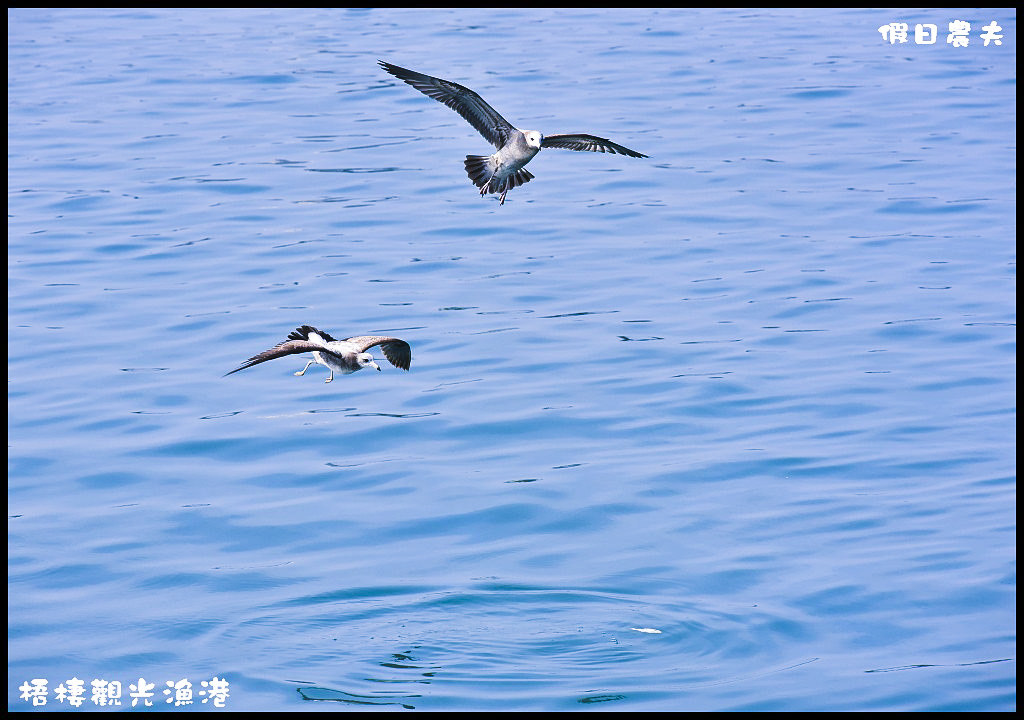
pixel 334 364
pixel 508 161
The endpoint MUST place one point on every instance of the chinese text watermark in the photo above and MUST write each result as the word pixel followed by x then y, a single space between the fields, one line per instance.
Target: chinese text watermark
pixel 104 693
pixel 959 34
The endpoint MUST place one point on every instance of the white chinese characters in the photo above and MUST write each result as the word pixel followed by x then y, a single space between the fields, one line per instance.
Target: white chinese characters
pixel 990 34
pixel 959 30
pixel 109 693
pixel 959 34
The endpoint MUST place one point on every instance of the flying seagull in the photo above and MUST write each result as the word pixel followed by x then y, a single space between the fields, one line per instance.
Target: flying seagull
pixel 344 356
pixel 503 170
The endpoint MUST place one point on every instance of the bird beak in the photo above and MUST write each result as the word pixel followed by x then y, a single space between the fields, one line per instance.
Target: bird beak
pixel 376 366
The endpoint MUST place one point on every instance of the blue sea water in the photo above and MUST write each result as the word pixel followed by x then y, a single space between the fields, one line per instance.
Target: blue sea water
pixel 731 428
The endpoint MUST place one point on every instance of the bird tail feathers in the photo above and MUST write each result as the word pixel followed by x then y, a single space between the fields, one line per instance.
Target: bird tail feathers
pixel 480 169
pixel 520 178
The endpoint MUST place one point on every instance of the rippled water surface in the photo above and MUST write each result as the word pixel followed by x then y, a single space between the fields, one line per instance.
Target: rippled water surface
pixel 729 428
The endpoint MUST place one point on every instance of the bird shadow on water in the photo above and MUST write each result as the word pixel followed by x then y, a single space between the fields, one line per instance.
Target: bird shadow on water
pixel 394 415
pixel 313 693
pixel 402 662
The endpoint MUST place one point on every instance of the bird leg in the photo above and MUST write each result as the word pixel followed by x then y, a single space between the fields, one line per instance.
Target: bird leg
pixel 331 377
pixel 302 372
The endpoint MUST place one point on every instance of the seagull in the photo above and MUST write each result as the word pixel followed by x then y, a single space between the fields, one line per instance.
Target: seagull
pixel 344 356
pixel 503 170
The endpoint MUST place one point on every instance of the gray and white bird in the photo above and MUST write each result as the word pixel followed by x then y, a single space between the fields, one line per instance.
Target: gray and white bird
pixel 503 170
pixel 343 356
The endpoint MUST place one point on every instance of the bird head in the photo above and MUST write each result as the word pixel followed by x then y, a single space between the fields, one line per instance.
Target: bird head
pixel 366 360
pixel 534 139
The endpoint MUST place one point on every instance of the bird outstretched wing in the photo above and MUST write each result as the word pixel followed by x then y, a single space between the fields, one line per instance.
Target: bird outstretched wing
pixel 288 347
pixel 302 333
pixel 396 351
pixel 495 129
pixel 592 143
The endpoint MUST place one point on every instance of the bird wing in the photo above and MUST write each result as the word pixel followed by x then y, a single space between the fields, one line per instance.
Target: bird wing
pixel 302 333
pixel 288 347
pixel 396 351
pixel 495 129
pixel 578 141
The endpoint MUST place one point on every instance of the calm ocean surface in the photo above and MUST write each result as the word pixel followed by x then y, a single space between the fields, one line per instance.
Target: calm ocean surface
pixel 729 428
